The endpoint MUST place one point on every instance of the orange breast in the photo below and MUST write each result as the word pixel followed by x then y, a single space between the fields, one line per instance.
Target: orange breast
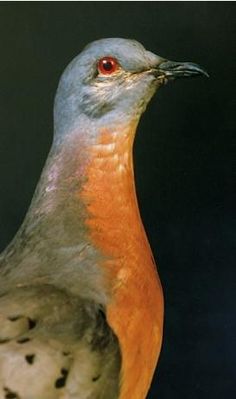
pixel 135 311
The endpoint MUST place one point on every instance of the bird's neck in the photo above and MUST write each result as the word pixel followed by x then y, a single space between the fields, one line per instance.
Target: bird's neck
pixel 109 190
pixel 87 191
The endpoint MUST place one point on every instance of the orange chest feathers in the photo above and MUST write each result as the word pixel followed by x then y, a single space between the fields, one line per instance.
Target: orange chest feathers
pixel 135 311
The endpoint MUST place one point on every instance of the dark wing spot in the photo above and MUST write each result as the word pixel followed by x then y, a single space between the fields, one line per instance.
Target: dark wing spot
pixel 23 340
pixel 66 353
pixel 4 341
pixel 96 378
pixel 61 381
pixel 30 358
pixel 14 318
pixel 32 323
pixel 10 394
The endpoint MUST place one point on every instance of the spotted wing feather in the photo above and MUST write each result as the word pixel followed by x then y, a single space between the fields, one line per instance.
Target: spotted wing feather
pixel 55 346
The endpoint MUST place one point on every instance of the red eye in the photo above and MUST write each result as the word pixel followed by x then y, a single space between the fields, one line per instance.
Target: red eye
pixel 107 65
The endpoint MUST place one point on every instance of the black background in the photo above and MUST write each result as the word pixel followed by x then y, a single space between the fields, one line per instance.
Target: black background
pixel 183 162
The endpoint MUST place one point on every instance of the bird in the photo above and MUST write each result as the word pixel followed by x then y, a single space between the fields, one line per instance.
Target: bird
pixel 81 302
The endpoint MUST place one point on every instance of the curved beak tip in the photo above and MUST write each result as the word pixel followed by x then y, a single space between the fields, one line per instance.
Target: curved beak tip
pixel 195 69
pixel 174 70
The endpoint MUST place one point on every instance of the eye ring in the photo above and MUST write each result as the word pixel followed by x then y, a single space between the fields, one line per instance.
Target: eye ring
pixel 107 65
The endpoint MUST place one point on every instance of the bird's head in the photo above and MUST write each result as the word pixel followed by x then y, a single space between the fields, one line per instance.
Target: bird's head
pixel 112 80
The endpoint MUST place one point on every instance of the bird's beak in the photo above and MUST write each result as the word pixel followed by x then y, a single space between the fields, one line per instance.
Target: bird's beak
pixel 170 70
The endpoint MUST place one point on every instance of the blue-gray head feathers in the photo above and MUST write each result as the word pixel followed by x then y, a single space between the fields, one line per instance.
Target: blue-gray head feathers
pixel 84 92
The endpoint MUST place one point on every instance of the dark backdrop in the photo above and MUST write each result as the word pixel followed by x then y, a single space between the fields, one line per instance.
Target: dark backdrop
pixel 183 162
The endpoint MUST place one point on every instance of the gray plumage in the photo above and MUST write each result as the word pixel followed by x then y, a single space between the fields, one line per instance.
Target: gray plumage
pixel 55 341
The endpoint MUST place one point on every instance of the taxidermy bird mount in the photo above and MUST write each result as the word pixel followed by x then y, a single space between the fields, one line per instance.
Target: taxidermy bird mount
pixel 81 305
